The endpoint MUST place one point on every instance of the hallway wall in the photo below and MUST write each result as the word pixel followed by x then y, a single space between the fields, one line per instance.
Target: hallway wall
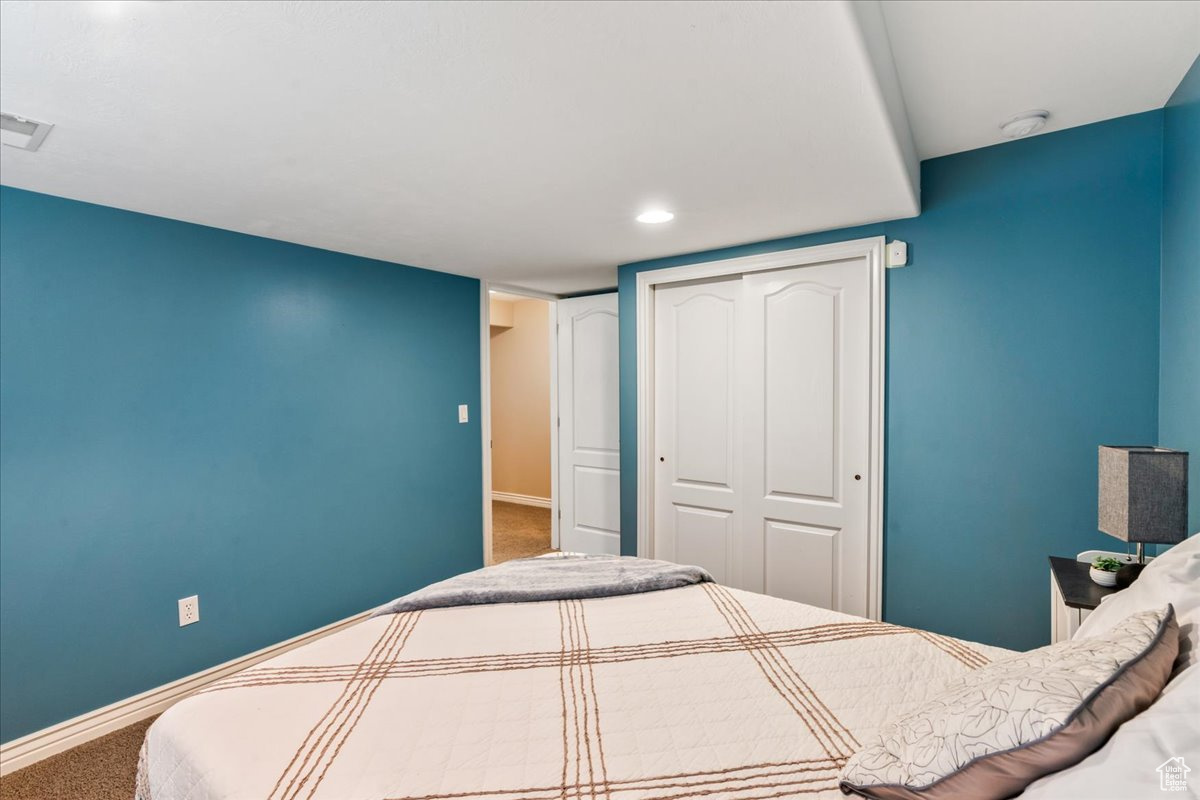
pixel 521 399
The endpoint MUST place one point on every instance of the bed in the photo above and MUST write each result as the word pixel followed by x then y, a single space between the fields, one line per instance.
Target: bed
pixel 700 691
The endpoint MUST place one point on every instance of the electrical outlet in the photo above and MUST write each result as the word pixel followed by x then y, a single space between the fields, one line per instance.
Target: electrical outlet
pixel 189 610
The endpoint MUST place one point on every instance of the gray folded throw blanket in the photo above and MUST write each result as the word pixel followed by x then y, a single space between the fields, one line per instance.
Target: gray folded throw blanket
pixel 568 577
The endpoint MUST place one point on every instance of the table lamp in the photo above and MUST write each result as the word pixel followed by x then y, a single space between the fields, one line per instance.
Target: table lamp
pixel 1143 496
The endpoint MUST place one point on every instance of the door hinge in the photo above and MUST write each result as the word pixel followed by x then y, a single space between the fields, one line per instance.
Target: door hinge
pixel 559 422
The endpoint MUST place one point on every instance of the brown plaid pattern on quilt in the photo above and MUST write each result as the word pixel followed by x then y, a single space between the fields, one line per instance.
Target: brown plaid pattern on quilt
pixel 700 692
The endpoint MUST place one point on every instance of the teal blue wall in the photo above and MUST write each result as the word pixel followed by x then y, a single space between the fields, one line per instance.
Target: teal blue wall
pixel 187 410
pixel 1023 334
pixel 1179 383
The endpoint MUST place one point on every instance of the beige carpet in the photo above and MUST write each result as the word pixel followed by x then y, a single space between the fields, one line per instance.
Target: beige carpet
pixel 102 769
pixel 519 531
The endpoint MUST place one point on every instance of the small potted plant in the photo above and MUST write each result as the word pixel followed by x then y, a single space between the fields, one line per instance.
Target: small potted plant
pixel 1104 570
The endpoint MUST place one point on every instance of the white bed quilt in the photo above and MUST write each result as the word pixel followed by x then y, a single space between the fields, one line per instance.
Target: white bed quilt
pixel 698 692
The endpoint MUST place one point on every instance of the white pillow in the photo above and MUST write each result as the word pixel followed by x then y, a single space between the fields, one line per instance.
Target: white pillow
pixel 1173 577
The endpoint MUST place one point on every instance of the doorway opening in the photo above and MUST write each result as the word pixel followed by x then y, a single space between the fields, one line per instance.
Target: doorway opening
pixel 521 385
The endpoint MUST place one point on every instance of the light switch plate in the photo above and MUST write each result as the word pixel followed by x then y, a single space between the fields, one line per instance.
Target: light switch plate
pixel 462 413
pixel 189 610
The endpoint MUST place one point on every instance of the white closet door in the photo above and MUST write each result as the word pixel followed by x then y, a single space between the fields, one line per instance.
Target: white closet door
pixel 589 428
pixel 806 376
pixel 697 464
pixel 761 424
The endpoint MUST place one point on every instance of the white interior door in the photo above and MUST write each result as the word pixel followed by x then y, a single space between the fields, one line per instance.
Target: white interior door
pixel 589 425
pixel 762 423
pixel 697 460
pixel 807 368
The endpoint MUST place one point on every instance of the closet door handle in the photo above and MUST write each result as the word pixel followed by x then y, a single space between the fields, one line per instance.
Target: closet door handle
pixel 858 477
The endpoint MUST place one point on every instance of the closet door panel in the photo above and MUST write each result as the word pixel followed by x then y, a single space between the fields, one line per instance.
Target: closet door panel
pixel 704 536
pixel 697 457
pixel 801 390
pixel 703 375
pixel 806 361
pixel 813 549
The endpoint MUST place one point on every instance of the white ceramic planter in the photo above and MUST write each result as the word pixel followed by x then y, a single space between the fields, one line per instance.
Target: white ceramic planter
pixel 1103 578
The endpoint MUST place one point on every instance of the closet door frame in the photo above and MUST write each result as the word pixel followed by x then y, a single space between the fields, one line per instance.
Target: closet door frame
pixel 872 249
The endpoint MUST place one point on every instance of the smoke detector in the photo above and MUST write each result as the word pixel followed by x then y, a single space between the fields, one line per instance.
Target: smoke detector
pixel 1025 124
pixel 27 134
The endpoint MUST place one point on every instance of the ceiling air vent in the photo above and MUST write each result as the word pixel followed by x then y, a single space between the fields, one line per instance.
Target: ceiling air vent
pixel 27 134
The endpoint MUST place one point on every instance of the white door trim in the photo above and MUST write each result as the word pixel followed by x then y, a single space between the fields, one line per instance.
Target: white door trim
pixel 485 404
pixel 873 250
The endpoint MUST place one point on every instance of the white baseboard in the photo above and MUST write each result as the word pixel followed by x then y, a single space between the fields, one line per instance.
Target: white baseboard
pixel 41 744
pixel 521 499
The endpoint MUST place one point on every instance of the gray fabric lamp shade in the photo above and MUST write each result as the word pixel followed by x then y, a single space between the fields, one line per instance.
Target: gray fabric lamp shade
pixel 1143 494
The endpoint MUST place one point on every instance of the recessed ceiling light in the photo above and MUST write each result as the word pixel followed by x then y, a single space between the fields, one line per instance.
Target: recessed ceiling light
pixel 26 134
pixel 1025 124
pixel 655 216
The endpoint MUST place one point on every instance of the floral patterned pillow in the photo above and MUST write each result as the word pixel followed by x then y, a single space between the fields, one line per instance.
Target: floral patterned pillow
pixel 993 731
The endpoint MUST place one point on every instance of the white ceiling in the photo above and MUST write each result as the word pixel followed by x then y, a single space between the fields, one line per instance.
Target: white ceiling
pixel 968 67
pixel 517 141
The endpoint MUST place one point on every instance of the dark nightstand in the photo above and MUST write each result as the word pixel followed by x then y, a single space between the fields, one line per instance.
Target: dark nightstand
pixel 1073 595
pixel 1076 585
